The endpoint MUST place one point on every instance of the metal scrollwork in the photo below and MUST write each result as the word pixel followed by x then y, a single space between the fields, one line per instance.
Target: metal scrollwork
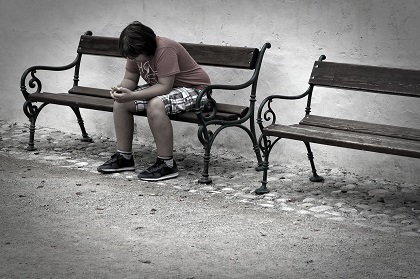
pixel 35 82
pixel 211 108
pixel 266 145
pixel 29 109
pixel 204 135
pixel 269 112
pixel 268 116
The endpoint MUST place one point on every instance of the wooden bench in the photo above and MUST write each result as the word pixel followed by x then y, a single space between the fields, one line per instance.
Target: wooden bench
pixel 402 141
pixel 222 115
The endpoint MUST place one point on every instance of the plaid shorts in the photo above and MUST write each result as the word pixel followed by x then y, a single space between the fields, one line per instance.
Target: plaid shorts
pixel 180 99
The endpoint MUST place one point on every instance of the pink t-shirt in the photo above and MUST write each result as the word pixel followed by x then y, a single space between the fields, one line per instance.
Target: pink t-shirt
pixel 170 59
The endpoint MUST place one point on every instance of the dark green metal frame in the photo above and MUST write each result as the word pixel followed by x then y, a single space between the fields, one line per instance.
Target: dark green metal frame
pixel 266 116
pixel 32 111
pixel 207 136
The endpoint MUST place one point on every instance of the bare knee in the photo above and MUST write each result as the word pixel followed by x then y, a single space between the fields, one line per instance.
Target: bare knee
pixel 155 109
pixel 124 107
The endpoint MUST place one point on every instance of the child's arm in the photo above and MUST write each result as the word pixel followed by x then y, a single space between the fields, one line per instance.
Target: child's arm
pixel 164 86
pixel 130 81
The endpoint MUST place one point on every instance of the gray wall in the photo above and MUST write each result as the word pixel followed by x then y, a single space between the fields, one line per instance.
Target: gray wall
pixel 46 32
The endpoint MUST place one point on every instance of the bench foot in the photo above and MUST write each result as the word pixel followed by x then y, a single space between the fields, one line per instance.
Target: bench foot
pixel 86 139
pixel 205 180
pixel 316 178
pixel 262 190
pixel 30 147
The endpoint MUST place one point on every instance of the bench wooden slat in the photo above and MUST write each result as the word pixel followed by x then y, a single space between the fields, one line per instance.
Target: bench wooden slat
pixel 224 56
pixel 233 109
pixel 90 91
pixel 66 99
pixel 386 80
pixel 361 127
pixel 345 139
pixel 106 104
pixel 211 55
pixel 104 93
pixel 99 45
pixel 191 117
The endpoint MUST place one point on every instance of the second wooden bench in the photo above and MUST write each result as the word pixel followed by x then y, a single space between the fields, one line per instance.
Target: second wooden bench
pixel 347 133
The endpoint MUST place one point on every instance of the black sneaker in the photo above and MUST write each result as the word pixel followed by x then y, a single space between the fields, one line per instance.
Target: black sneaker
pixel 159 171
pixel 117 163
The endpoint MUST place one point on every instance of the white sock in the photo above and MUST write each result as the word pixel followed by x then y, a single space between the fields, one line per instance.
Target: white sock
pixel 125 154
pixel 169 161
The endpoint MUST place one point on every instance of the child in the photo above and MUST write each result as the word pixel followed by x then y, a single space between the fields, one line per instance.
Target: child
pixel 173 79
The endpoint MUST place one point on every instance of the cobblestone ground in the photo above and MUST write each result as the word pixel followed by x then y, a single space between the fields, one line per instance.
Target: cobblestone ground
pixel 387 206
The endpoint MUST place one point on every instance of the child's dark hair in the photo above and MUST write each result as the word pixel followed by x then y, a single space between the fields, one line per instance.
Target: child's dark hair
pixel 137 39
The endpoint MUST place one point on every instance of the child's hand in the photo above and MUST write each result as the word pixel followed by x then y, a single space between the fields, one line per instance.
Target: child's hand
pixel 121 94
pixel 115 89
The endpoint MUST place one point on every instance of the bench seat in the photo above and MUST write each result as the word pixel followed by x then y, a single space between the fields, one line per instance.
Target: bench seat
pixel 106 104
pixel 225 111
pixel 351 134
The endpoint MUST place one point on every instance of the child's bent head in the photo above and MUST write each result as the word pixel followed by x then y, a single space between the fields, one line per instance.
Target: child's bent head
pixel 137 39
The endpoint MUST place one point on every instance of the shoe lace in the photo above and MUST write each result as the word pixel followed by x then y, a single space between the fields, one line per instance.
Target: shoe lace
pixel 156 166
pixel 113 159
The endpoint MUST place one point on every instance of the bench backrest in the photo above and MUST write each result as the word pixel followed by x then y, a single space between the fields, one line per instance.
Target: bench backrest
pixel 212 55
pixel 393 81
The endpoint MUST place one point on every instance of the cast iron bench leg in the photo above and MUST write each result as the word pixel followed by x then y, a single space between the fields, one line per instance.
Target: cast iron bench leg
pixel 85 136
pixel 205 178
pixel 31 144
pixel 315 177
pixel 263 188
pixel 32 112
pixel 260 166
pixel 256 147
pixel 266 146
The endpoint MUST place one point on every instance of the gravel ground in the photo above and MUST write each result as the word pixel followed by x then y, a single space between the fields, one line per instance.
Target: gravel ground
pixel 61 219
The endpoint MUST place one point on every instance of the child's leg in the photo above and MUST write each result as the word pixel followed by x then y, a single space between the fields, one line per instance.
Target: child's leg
pixel 161 127
pixel 124 122
pixel 178 100
pixel 124 125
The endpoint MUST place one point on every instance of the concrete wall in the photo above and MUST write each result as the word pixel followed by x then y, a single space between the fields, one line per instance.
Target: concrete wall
pixel 46 32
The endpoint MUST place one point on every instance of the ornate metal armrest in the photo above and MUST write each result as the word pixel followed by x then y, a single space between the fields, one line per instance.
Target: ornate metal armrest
pixel 268 100
pixel 266 112
pixel 208 118
pixel 35 82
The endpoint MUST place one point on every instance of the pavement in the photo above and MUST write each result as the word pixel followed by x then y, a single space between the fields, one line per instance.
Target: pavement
pixel 381 205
